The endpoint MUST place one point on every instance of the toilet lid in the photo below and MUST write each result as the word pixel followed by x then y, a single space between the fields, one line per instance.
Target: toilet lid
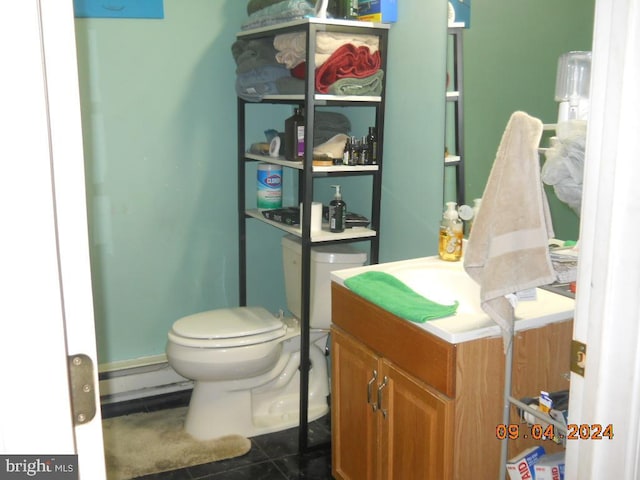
pixel 229 327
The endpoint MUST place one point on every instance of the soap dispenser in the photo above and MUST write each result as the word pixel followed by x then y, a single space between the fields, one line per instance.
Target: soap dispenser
pixel 451 231
pixel 337 211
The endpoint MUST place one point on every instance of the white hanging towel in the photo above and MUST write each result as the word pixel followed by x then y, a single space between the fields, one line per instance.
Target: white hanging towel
pixel 508 247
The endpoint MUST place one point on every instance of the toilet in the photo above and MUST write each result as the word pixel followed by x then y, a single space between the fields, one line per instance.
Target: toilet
pixel 244 361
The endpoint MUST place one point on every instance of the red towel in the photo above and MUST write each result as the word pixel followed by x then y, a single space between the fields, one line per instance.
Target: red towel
pixel 346 61
pixel 299 71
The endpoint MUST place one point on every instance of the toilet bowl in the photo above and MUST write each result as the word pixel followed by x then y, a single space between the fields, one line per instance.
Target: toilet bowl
pixel 245 361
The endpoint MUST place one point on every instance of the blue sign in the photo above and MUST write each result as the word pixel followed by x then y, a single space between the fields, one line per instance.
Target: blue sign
pixel 118 8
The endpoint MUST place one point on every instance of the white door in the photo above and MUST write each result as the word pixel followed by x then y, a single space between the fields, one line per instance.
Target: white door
pixel 607 303
pixel 46 307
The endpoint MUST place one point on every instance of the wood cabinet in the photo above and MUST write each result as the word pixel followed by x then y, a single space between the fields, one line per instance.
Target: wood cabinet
pixel 382 412
pixel 431 408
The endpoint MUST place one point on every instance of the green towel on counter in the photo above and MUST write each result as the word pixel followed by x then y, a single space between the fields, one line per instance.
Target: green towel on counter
pixel 388 292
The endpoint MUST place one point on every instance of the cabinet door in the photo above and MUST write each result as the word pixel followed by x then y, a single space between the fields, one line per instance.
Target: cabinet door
pixel 416 428
pixel 354 388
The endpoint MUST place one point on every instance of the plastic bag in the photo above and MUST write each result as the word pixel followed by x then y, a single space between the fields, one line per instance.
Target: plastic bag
pixel 564 165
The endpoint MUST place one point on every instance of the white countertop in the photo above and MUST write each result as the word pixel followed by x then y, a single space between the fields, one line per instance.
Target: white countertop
pixel 445 282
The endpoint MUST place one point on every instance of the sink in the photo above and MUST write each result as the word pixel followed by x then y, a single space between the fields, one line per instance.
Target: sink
pixel 446 282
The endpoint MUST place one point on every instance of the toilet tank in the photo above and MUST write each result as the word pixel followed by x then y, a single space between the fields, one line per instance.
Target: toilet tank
pixel 324 260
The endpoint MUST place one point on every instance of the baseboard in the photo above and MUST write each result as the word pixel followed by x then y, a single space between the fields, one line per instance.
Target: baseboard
pixel 139 378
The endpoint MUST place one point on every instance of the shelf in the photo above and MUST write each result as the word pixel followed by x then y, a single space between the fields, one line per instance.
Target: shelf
pixel 316 169
pixel 560 430
pixel 319 22
pixel 322 98
pixel 307 173
pixel 454 130
pixel 324 236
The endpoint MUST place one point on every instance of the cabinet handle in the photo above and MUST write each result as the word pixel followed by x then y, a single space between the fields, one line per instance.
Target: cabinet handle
pixel 370 390
pixel 384 383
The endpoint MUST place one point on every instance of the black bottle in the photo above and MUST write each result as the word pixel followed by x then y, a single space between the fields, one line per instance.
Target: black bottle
pixel 294 136
pixel 337 212
pixel 372 146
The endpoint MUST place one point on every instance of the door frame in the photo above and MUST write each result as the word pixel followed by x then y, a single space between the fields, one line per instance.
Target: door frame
pixel 47 304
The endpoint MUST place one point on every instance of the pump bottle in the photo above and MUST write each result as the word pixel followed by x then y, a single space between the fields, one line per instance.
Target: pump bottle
pixel 337 211
pixel 451 231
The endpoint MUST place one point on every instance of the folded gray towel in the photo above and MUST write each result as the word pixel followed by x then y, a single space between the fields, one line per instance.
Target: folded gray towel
pixel 371 85
pixel 252 54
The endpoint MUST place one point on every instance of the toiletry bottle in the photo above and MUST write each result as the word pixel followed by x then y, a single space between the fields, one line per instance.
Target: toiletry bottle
pixel 372 146
pixel 337 211
pixel 294 136
pixel 346 155
pixel 354 153
pixel 450 244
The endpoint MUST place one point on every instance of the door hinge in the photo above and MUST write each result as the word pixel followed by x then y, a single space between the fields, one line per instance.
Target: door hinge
pixel 83 401
pixel 578 357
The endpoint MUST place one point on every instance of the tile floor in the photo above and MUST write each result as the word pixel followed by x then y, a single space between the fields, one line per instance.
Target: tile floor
pixel 272 457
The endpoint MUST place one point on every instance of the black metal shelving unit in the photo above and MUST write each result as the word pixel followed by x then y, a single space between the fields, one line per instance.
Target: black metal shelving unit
pixel 310 100
pixel 455 95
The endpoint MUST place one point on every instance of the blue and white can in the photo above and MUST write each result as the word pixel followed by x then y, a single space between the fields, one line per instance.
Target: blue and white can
pixel 269 185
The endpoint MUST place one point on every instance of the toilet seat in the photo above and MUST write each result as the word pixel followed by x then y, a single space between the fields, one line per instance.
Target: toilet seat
pixel 227 328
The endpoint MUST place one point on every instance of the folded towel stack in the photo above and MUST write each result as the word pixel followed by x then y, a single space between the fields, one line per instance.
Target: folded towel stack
pixel 346 64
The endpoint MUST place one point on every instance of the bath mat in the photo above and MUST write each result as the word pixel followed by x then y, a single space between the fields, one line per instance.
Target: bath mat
pixel 146 443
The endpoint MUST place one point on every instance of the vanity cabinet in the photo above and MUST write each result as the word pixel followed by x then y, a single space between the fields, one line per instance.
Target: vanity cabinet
pixel 375 402
pixel 431 409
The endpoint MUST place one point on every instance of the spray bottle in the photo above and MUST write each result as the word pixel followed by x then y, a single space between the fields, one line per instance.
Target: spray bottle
pixel 450 244
pixel 337 211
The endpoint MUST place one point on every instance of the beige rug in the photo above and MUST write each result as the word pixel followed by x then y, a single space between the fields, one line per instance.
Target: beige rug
pixel 145 443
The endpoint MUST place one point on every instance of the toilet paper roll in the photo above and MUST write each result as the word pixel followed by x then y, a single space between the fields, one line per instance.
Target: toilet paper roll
pixel 316 216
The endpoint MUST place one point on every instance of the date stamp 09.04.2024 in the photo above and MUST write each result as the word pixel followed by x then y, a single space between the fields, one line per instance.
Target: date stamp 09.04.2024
pixel 536 431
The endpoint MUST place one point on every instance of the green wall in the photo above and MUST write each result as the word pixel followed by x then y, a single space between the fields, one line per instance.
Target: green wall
pixel 159 129
pixel 511 53
pixel 159 120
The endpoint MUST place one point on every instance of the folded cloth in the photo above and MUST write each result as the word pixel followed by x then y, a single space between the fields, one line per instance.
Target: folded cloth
pixel 328 124
pixel 508 247
pixel 292 47
pixel 255 5
pixel 255 84
pixel 280 12
pixel 252 54
pixel 371 85
pixel 346 61
pixel 332 148
pixel 388 292
pixel 291 86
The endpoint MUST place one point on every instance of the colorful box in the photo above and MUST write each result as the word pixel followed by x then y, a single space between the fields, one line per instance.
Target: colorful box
pixel 378 11
pixel 550 467
pixel 522 466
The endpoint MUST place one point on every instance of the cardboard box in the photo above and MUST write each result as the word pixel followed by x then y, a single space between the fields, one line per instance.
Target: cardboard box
pixel 550 467
pixel 522 466
pixel 462 12
pixel 378 11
